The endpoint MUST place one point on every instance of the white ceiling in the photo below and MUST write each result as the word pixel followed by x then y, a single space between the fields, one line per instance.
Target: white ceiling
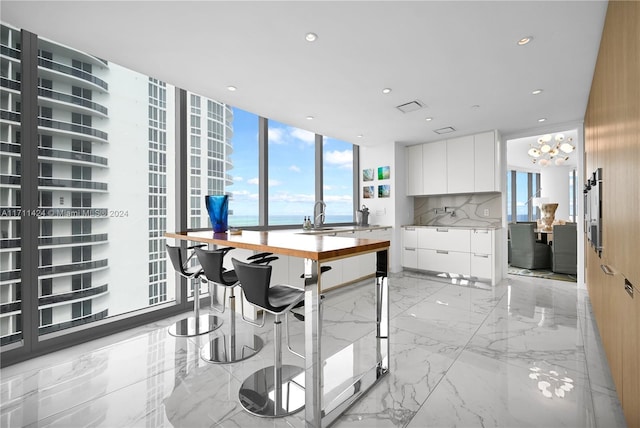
pixel 449 55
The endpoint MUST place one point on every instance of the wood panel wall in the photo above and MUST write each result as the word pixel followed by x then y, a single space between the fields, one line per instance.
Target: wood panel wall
pixel 612 142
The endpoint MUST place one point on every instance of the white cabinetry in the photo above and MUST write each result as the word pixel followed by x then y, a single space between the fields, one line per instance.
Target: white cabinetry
pixel 473 252
pixel 410 247
pixel 414 170
pixel 460 165
pixel 486 175
pixel 434 168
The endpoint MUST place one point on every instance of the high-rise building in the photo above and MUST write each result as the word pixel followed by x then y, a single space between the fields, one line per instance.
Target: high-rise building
pixel 105 184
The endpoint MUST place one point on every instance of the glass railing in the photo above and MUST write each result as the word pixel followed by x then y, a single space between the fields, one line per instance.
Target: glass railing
pixel 72 295
pixel 9 275
pixel 10 52
pixel 9 84
pixel 72 71
pixel 72 127
pixel 73 239
pixel 10 115
pixel 73 184
pixel 9 242
pixel 10 179
pixel 72 267
pixel 6 308
pixel 64 154
pixel 72 99
pixel 73 323
pixel 9 147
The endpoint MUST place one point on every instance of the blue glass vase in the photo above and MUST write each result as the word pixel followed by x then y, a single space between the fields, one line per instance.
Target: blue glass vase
pixel 218 209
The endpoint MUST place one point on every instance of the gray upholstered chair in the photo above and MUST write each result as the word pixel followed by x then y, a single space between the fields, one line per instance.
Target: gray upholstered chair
pixel 526 252
pixel 564 249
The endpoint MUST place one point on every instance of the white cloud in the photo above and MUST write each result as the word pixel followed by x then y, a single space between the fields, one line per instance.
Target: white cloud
pixel 338 198
pixel 271 182
pixel 301 134
pixel 288 197
pixel 276 135
pixel 327 187
pixel 237 178
pixel 339 158
pixel 294 168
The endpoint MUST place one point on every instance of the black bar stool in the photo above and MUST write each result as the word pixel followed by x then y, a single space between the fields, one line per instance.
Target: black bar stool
pixel 229 347
pixel 197 324
pixel 277 390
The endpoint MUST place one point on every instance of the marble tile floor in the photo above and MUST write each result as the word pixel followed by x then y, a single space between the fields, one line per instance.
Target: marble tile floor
pixel 525 353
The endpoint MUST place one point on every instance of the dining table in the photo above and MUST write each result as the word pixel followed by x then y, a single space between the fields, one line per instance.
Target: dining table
pixel 322 406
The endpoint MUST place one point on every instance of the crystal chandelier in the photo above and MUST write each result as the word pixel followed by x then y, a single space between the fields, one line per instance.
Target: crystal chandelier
pixel 551 149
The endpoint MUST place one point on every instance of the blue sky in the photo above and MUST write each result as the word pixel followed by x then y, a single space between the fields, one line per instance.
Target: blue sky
pixel 291 170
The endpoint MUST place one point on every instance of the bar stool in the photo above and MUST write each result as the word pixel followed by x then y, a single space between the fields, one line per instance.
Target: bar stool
pixel 229 347
pixel 277 390
pixel 197 324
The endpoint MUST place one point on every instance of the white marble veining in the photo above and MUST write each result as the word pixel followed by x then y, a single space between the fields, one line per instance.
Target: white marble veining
pixel 525 353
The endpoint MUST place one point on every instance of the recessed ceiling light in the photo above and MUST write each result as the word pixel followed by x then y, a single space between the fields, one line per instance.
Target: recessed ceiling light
pixel 311 37
pixel 523 41
pixel 386 90
pixel 428 119
pixel 537 91
pixel 309 117
pixel 542 119
pixel 475 106
pixel 231 88
pixel 360 135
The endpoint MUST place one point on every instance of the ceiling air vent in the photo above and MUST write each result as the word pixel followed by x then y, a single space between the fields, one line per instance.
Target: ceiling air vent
pixel 444 130
pixel 410 106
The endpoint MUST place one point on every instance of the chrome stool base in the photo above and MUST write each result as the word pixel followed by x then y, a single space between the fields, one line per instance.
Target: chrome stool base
pixel 192 326
pixel 231 348
pixel 257 393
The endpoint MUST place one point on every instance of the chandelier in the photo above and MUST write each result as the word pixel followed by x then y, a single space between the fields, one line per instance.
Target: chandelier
pixel 551 149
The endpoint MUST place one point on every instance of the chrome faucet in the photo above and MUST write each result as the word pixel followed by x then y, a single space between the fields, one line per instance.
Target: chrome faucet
pixel 318 219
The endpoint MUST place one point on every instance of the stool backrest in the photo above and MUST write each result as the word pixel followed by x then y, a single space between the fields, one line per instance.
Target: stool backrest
pixel 255 280
pixel 212 265
pixel 175 254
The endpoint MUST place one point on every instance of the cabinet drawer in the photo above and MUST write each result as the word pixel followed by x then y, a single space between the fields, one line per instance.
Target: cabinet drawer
pixel 481 265
pixel 409 237
pixel 444 261
pixel 481 241
pixel 441 238
pixel 410 257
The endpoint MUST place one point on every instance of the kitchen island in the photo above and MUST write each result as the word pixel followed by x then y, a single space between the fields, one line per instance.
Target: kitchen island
pixel 321 407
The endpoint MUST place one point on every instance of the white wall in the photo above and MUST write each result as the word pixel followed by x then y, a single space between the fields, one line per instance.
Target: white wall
pixel 554 185
pixel 396 210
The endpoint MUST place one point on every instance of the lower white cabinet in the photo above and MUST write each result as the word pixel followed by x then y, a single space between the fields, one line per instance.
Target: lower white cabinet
pixel 471 252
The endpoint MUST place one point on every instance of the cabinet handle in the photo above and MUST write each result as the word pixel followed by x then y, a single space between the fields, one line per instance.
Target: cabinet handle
pixel 607 270
pixel 484 232
pixel 441 230
pixel 409 228
pixel 628 287
pixel 409 249
pixel 441 252
pixel 484 256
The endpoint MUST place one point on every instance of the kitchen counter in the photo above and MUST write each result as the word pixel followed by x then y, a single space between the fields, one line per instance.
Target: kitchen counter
pixel 454 226
pixel 329 230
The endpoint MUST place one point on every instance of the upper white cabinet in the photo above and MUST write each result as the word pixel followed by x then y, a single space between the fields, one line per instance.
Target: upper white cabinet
pixel 414 170
pixel 434 168
pixel 486 175
pixel 459 165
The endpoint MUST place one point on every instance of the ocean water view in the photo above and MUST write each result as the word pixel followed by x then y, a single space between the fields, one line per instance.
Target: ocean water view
pixel 279 220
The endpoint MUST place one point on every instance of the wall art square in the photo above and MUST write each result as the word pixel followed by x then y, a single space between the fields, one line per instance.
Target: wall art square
pixel 384 191
pixel 368 192
pixel 367 174
pixel 384 173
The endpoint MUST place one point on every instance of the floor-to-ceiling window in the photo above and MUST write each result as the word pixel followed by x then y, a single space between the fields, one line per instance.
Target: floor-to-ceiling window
pixel 291 177
pixel 522 188
pixel 337 180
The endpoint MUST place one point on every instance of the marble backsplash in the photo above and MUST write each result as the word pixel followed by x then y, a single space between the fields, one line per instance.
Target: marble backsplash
pixel 473 209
